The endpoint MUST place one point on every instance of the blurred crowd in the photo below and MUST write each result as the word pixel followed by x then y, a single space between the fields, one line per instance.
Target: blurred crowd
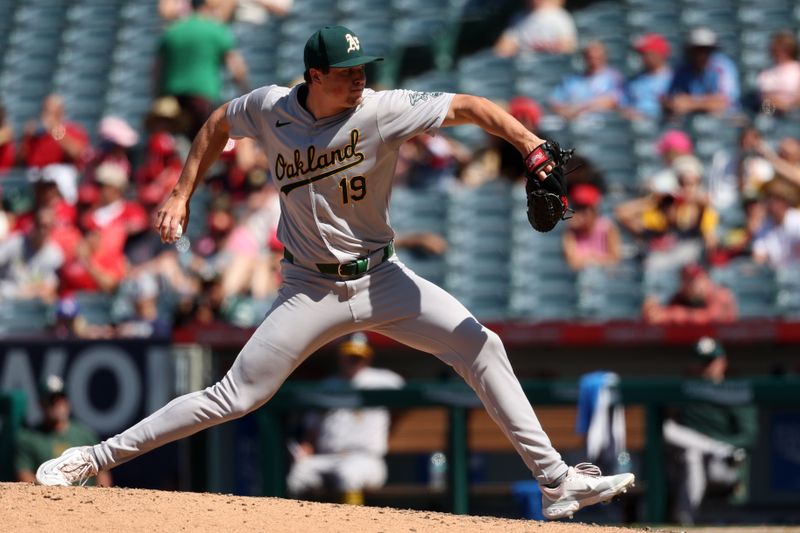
pixel 75 225
pixel 77 233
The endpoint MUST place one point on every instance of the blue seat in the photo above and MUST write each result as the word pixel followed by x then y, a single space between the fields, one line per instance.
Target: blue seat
pixel 538 74
pixel 610 294
pixel 40 15
pixel 661 283
pixel 652 17
pixel 433 268
pixel 95 307
pixel 471 136
pixel 753 285
pixel 486 63
pixel 532 245
pixel 543 301
pixel 600 16
pixel 310 7
pixel 25 316
pixel 357 8
pixel 432 81
pixel 487 75
pixel 788 292
pixel 771 16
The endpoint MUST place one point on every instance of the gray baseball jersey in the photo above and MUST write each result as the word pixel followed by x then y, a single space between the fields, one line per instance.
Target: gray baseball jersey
pixel 334 175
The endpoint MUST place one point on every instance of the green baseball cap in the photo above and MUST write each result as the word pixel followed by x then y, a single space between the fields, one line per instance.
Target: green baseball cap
pixel 337 47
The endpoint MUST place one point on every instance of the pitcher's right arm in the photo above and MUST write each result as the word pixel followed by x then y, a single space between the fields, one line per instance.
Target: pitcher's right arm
pixel 206 148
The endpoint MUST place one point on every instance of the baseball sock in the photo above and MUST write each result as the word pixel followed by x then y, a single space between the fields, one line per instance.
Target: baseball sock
pixel 556 482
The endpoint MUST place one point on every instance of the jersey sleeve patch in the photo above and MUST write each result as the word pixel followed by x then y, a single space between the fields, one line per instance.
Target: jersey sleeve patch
pixel 415 97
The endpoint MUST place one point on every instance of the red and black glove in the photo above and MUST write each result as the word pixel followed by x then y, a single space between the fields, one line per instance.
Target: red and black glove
pixel 547 198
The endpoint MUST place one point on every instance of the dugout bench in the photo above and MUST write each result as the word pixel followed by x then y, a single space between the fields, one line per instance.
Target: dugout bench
pixel 652 394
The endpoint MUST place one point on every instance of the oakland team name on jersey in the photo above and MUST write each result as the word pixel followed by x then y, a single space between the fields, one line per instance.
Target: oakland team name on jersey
pixel 339 158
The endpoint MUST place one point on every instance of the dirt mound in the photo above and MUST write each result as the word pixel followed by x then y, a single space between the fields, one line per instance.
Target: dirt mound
pixel 25 507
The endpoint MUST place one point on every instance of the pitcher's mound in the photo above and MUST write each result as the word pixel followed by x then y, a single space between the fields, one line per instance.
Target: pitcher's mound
pixel 80 509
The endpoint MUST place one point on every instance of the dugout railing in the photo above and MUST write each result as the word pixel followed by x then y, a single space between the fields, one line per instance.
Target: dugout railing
pixel 653 394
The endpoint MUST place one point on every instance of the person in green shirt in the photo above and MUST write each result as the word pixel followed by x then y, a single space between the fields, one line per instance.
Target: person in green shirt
pixel 191 55
pixel 708 442
pixel 56 433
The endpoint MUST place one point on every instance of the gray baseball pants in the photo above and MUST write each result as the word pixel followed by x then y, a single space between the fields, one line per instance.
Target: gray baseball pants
pixel 312 310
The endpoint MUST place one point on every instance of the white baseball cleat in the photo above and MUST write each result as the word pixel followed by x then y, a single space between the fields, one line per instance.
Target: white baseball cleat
pixel 584 485
pixel 73 467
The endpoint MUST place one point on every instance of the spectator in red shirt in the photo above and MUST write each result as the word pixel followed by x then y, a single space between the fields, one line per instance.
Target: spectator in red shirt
pixel 53 139
pixel 161 168
pixel 99 263
pixel 698 301
pixel 54 187
pixel 7 148
pixel 116 138
pixel 113 208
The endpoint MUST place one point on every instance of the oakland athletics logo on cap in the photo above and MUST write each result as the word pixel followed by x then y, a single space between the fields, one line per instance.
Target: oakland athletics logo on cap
pixel 352 43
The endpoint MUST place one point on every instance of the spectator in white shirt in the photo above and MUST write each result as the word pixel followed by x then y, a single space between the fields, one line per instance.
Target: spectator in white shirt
pixel 778 241
pixel 344 448
pixel 29 263
pixel 548 28
pixel 779 85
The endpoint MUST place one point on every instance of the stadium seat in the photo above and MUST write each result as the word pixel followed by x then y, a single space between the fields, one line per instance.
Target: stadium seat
pixel 600 17
pixel 542 284
pixel 537 75
pixel 537 301
pixel 485 74
pixel 433 268
pixel 609 294
pixel 412 210
pixel 95 307
pixel 258 49
pixel 25 316
pixel 357 8
pixel 420 210
pixel 477 260
pixel 661 283
pixel 788 292
pixel 753 285
pixel 770 16
pixel 433 80
pixel 244 311
pixel 130 87
pixel 7 8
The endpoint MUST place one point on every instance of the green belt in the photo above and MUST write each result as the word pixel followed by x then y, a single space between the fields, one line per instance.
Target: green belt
pixel 346 270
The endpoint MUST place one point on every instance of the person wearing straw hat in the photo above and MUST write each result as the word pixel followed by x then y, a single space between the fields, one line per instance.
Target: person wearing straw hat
pixel 345 448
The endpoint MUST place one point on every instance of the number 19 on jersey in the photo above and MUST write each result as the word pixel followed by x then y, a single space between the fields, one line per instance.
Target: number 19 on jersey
pixel 354 188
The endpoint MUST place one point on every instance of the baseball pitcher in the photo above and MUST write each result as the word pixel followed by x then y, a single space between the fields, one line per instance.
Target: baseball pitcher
pixel 332 146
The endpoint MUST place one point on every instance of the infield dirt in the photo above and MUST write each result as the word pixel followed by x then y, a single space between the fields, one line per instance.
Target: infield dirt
pixel 25 507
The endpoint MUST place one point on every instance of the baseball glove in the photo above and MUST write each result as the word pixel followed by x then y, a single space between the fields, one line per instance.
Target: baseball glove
pixel 547 199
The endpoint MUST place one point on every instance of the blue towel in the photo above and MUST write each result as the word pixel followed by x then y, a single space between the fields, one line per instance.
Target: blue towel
pixel 588 390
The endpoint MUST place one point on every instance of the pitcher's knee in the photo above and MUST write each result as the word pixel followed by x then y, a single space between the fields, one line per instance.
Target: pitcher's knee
pixel 493 347
pixel 235 403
